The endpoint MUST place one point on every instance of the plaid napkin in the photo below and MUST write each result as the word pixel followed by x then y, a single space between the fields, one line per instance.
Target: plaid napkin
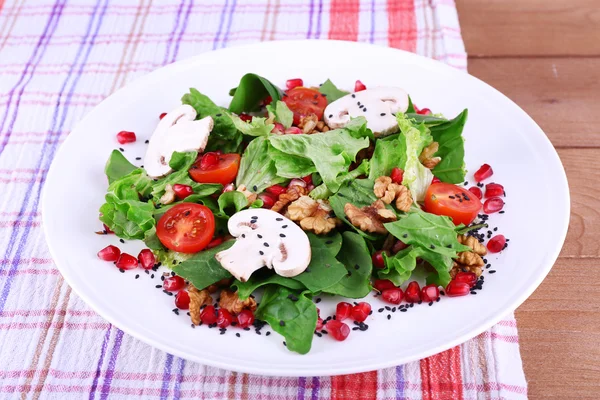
pixel 57 61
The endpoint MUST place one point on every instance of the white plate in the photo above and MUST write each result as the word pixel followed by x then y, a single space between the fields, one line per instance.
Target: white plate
pixel 498 132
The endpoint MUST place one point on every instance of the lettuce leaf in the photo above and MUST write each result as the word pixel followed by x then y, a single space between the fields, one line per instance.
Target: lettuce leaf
pixel 331 91
pixel 256 127
pixel 322 192
pixel 251 91
pixel 257 169
pixel 280 112
pixel 416 177
pixel 117 166
pixel 233 201
pixel 389 152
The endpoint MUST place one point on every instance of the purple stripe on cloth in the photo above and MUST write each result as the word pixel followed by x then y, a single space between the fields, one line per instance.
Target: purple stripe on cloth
pixel 183 28
pixel 231 14
pixel 316 386
pixel 172 34
pixel 301 387
pixel 221 22
pixel 112 362
pixel 100 361
pixel 400 382
pixel 319 17
pixel 166 379
pixel 177 387
pixel 372 32
pixel 310 18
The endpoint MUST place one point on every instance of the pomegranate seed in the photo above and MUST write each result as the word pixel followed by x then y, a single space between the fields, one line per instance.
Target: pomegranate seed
pixel 276 190
pixel 343 310
pixel 397 175
pixel 297 182
pixel 378 261
pixel 359 86
pixel 337 330
pixel 361 311
pixel 173 283
pixel 424 111
pixel 456 289
pixel 393 296
pixel 412 294
pixel 214 243
pixel 435 180
pixel 310 187
pixel 182 300
pixel 162 115
pixel 308 179
pixel 493 205
pixel 494 190
pixel 106 228
pixel 398 246
pixel 383 284
pixel 127 261
pixel 293 130
pixel 125 137
pixel 229 188
pixel 224 318
pixel 109 253
pixel 245 117
pixel 466 277
pixel 476 191
pixel 278 128
pixel 182 191
pixel 319 324
pixel 484 172
pixel 268 100
pixel 208 315
pixel 496 244
pixel 268 200
pixel 146 259
pixel 245 319
pixel 417 109
pixel 209 160
pixel 292 83
pixel 430 293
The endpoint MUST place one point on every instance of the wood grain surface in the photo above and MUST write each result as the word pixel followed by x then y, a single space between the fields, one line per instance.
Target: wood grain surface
pixel 545 55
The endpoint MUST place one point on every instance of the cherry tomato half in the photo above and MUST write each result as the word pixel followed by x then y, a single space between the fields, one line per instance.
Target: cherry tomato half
pixel 216 168
pixel 453 201
pixel 186 227
pixel 304 101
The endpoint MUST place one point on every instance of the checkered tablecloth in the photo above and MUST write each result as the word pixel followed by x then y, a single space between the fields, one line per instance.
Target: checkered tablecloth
pixel 57 61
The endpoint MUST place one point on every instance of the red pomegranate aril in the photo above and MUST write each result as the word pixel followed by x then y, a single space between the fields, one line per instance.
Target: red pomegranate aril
pixel 208 316
pixel 383 284
pixel 146 259
pixel 214 243
pixel 484 172
pixel 276 190
pixel 308 179
pixel 343 310
pixel 456 289
pixel 268 100
pixel 182 191
pixel 173 283
pixel 435 180
pixel 293 130
pixel 267 199
pixel 424 111
pixel 127 261
pixel 182 300
pixel 109 253
pixel 398 246
pixel 209 160
pixel 292 83
pixel 430 293
pixel 494 190
pixel 319 324
pixel 466 277
pixel 124 137
pixel 359 86
pixel 412 294
pixel 162 115
pixel 361 311
pixel 245 117
pixel 493 205
pixel 476 191
pixel 496 244
pixel 392 296
pixel 224 318
pixel 245 319
pixel 397 175
pixel 378 261
pixel 278 128
pixel 107 229
pixel 337 330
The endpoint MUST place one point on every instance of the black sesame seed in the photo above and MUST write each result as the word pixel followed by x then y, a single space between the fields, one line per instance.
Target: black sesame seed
pixel 353 95
pixel 393 309
pixel 492 271
pixel 388 308
pixel 442 293
pixel 238 335
pixel 158 286
pixel 281 235
pixel 282 323
pixel 284 226
pixel 329 242
pixel 121 149
pixel 419 302
pixel 382 114
pixel 404 309
pixel 152 276
pixel 358 103
pixel 138 158
pixel 255 188
pixel 451 197
pixel 355 328
pixel 319 334
pixel 430 303
pixel 349 274
pixel 365 109
pixel 278 219
pixel 259 236
pixel 147 141
pixel 266 244
pixel 193 326
pixel 473 292
pixel 356 266
pixel 466 183
pixel 432 247
pixel 268 333
pixel 243 235
pixel 411 305
pixel 261 253
pixel 137 276
pixel 147 272
pixel 121 240
pixel 438 299
pixel 501 212
pixel 380 310
pixel 330 115
pixel 318 300
pixel 122 270
pixel 496 229
pixel 389 316
pixel 405 235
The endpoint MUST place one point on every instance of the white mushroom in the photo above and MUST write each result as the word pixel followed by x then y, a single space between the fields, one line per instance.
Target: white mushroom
pixel 377 105
pixel 177 131
pixel 265 238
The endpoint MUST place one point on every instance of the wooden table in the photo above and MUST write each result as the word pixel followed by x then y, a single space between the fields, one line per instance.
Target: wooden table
pixel 545 55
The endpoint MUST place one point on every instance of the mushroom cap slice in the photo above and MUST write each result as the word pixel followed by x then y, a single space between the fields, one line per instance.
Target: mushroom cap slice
pixel 378 105
pixel 265 238
pixel 177 131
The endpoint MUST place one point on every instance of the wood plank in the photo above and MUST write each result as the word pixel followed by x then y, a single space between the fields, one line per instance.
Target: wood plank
pixel 531 27
pixel 559 330
pixel 562 95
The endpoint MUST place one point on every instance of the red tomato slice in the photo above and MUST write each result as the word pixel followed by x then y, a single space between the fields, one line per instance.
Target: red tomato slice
pixel 186 227
pixel 216 168
pixel 453 201
pixel 304 101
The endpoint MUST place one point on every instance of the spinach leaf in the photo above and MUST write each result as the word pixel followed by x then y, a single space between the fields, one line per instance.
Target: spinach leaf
pixel 257 170
pixel 234 199
pixel 117 166
pixel 331 91
pixel 401 266
pixel 428 120
pixel 389 152
pixel 411 107
pixel 280 112
pixel 360 193
pixel 322 192
pixel 290 314
pixel 452 149
pixel 202 269
pixel 251 90
pixel 260 278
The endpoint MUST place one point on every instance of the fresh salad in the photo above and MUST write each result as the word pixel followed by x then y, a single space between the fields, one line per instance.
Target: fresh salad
pixel 260 209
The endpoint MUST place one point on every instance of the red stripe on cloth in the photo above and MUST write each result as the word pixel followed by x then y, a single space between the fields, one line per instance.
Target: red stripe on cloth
pixel 355 386
pixel 402 24
pixel 441 377
pixel 343 20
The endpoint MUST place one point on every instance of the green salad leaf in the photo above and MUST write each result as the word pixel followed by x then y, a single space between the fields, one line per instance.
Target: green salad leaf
pixel 358 192
pixel 117 166
pixel 264 277
pixel 411 107
pixel 232 202
pixel 389 152
pixel 322 192
pixel 290 314
pixel 452 149
pixel 257 127
pixel 331 91
pixel 280 112
pixel 202 269
pixel 257 169
pixel 400 267
pixel 416 177
pixel 291 166
pixel 251 90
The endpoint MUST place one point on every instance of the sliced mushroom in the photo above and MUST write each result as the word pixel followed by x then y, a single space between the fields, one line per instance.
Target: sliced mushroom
pixel 177 131
pixel 265 238
pixel 377 105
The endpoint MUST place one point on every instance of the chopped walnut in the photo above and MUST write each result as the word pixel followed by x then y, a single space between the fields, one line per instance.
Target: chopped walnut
pixel 293 193
pixel 427 158
pixel 403 199
pixel 473 243
pixel 462 268
pixel 369 218
pixel 470 259
pixel 198 298
pixel 308 123
pixel 314 216
pixel 231 302
pixel 302 208
pixel 388 191
pixel 251 197
pixel 169 195
pixel 222 283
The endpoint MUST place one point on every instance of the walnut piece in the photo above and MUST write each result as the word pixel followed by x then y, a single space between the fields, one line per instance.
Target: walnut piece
pixel 314 216
pixel 251 197
pixel 308 123
pixel 198 298
pixel 462 268
pixel 427 158
pixel 473 243
pixel 293 193
pixel 302 208
pixel 225 282
pixel 169 195
pixel 470 259
pixel 403 199
pixel 231 302
pixel 388 192
pixel 369 218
